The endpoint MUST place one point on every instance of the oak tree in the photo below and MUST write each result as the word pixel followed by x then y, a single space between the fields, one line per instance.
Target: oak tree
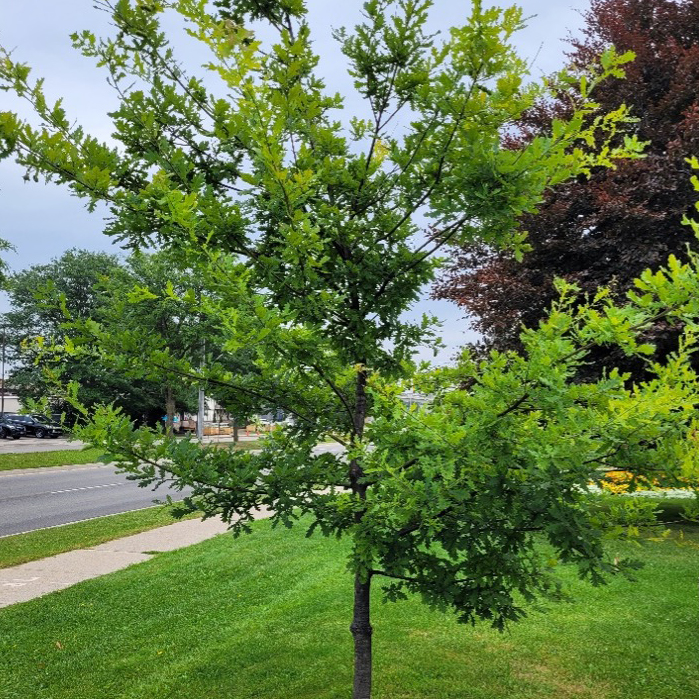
pixel 326 223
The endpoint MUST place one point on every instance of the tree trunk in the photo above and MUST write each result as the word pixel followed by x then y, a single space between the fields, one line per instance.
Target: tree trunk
pixel 169 410
pixel 236 433
pixel 361 630
pixel 361 620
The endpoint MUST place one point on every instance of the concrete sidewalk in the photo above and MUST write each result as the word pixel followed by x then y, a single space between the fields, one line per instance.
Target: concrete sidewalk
pixel 29 580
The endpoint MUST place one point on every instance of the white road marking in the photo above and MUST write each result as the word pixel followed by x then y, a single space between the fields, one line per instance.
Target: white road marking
pixel 87 487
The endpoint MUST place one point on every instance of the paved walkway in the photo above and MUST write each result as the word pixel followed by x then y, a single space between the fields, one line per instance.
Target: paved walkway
pixel 29 580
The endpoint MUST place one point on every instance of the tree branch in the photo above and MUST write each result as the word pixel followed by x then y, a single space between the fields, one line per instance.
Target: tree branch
pixel 173 472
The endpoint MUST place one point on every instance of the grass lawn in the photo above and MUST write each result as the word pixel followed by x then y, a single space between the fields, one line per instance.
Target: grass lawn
pixel 266 617
pixel 37 459
pixel 32 546
pixel 67 457
pixel 245 445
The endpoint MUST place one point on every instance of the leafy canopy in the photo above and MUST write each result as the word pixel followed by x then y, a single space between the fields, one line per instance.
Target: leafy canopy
pixel 336 231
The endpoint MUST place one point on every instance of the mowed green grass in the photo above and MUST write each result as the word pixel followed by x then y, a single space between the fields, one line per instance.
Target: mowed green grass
pixel 39 459
pixel 68 457
pixel 32 546
pixel 266 617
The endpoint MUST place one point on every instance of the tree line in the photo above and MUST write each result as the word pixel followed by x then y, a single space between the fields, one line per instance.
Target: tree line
pixel 55 305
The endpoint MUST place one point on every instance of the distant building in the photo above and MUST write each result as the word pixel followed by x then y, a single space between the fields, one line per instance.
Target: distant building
pixel 9 402
pixel 414 398
pixel 213 414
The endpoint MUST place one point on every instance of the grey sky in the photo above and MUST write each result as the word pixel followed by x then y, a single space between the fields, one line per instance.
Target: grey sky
pixel 42 221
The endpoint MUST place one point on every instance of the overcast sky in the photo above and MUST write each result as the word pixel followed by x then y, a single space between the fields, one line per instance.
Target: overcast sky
pixel 42 221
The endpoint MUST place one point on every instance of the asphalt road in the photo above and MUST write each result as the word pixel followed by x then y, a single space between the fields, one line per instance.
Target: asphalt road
pixel 50 496
pixel 46 497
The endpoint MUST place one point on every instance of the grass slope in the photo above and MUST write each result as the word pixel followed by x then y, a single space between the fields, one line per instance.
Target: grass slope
pixel 39 459
pixel 266 617
pixel 32 546
pixel 67 457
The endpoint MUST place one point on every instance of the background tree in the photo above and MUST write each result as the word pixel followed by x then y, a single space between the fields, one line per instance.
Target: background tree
pixel 324 222
pixel 75 277
pixel 50 302
pixel 155 315
pixel 4 247
pixel 606 229
pixel 156 302
pixel 241 407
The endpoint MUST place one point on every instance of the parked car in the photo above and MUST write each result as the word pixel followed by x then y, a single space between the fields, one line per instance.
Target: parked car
pixel 35 425
pixel 11 429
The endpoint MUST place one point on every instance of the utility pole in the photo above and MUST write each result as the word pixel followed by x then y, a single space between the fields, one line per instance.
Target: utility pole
pixel 2 391
pixel 200 416
pixel 200 413
pixel 202 399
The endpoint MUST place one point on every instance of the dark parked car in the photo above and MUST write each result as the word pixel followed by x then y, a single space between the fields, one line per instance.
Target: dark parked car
pixel 11 429
pixel 35 425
